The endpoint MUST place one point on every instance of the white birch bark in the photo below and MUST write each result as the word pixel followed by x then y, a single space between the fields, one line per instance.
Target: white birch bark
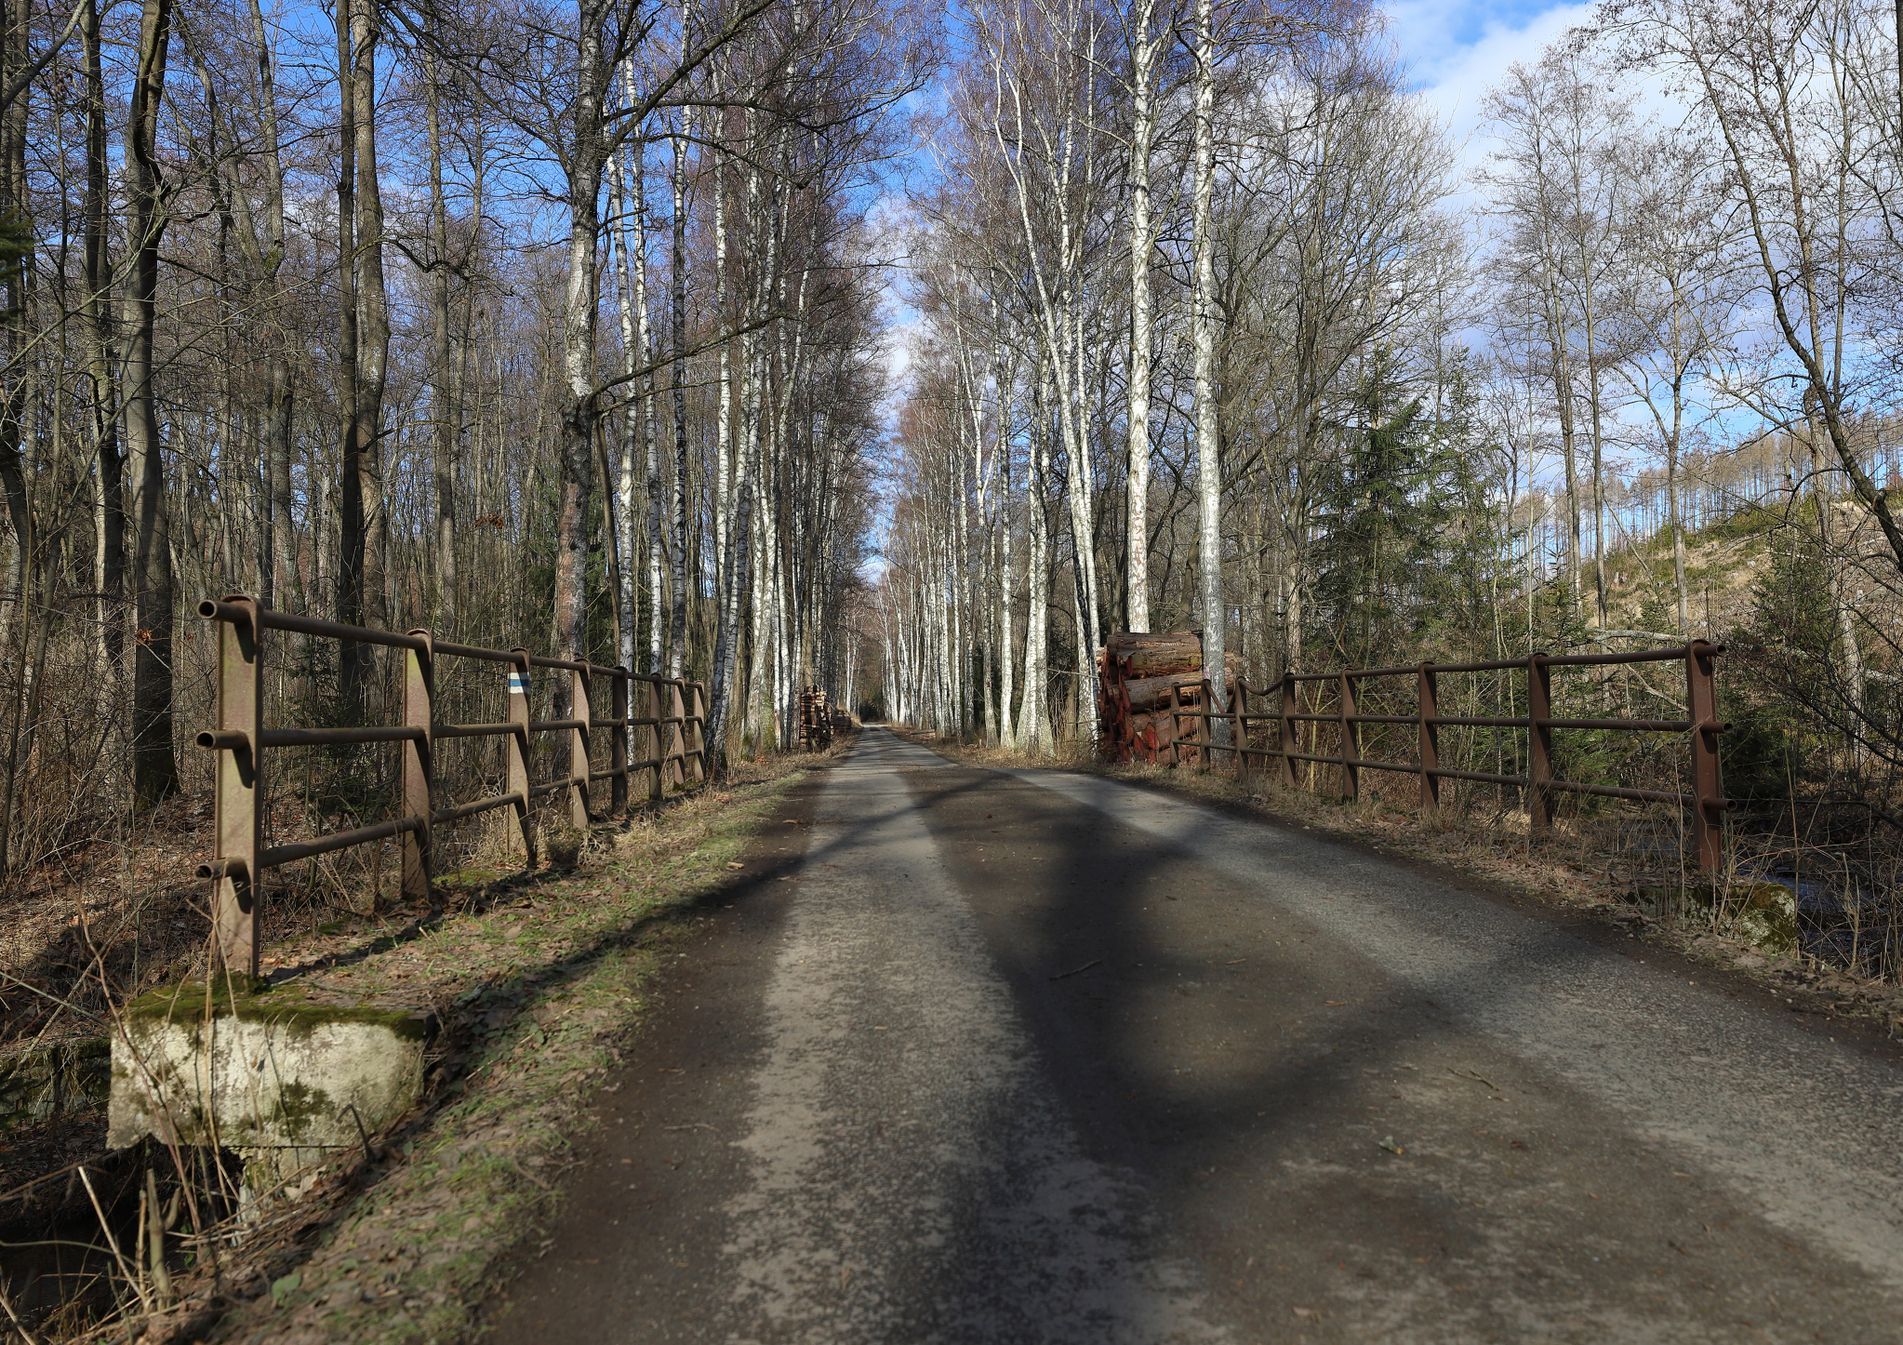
pixel 637 340
pixel 625 462
pixel 1208 467
pixel 1033 715
pixel 1002 381
pixel 677 615
pixel 1142 315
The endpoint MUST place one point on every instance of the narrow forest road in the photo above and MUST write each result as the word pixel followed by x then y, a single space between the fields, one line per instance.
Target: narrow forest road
pixel 1028 1056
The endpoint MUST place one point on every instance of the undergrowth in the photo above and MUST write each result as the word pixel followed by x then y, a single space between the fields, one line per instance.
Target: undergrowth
pixel 534 983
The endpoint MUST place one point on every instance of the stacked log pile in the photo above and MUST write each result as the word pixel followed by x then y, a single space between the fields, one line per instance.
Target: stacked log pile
pixel 816 720
pixel 1146 683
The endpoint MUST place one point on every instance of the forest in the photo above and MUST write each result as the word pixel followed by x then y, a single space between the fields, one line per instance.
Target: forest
pixel 534 325
pixel 908 352
pixel 1221 327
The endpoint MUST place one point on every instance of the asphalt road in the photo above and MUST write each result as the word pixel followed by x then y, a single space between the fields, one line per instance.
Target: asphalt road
pixel 1036 1057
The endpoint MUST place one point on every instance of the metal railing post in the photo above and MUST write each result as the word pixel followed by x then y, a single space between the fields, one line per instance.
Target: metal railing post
pixel 1539 742
pixel 1239 713
pixel 1287 729
pixel 1350 747
pixel 696 697
pixel 657 783
pixel 240 789
pixel 519 753
pixel 618 744
pixel 419 685
pixel 676 733
pixel 1708 799
pixel 1176 726
pixel 1429 710
pixel 578 748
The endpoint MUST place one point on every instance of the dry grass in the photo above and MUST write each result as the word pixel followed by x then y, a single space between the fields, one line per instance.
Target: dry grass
pixel 534 979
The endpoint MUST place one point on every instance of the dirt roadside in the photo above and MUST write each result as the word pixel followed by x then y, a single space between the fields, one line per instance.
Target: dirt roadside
pixel 537 990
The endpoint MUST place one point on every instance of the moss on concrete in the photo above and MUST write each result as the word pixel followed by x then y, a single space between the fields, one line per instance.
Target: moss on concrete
pixel 299 1105
pixel 287 1007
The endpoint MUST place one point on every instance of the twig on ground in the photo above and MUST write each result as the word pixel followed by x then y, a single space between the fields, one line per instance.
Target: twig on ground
pixel 1469 1074
pixel 134 1281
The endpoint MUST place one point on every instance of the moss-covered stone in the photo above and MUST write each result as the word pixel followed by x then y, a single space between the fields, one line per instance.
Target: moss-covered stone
pixel 40 1083
pixel 300 1108
pixel 1765 915
pixel 1762 914
pixel 272 1072
pixel 288 1007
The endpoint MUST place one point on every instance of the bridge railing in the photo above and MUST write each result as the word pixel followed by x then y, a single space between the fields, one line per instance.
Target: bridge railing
pixel 668 713
pixel 1300 721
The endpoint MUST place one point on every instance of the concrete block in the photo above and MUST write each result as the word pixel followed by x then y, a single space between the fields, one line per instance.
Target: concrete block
pixel 284 1081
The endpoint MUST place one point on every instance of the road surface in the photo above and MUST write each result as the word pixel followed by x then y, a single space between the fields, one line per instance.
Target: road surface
pixel 1038 1057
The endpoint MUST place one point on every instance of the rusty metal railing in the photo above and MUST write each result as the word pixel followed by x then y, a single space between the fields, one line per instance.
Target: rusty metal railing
pixel 1700 727
pixel 672 719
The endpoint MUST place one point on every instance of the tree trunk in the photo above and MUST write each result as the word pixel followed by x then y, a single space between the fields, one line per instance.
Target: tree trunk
pixel 1142 319
pixel 445 411
pixel 352 658
pixel 154 766
pixel 110 565
pixel 373 307
pixel 677 375
pixel 627 567
pixel 581 302
pixel 1208 440
pixel 1033 716
pixel 277 560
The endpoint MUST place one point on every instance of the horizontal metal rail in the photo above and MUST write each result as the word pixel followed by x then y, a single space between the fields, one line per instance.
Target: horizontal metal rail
pixel 1700 727
pixel 670 714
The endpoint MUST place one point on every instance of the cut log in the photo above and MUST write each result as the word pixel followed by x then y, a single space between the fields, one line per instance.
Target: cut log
pixel 1157 738
pixel 1159 654
pixel 1137 676
pixel 1153 693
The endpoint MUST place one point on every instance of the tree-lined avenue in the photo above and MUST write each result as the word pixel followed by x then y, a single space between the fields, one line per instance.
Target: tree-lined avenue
pixel 1007 1056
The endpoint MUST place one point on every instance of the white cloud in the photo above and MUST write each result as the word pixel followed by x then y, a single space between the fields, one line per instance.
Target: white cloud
pixel 1454 60
pixel 904 332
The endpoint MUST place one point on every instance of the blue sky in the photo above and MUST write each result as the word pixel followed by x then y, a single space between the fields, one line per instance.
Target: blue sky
pixel 1453 51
